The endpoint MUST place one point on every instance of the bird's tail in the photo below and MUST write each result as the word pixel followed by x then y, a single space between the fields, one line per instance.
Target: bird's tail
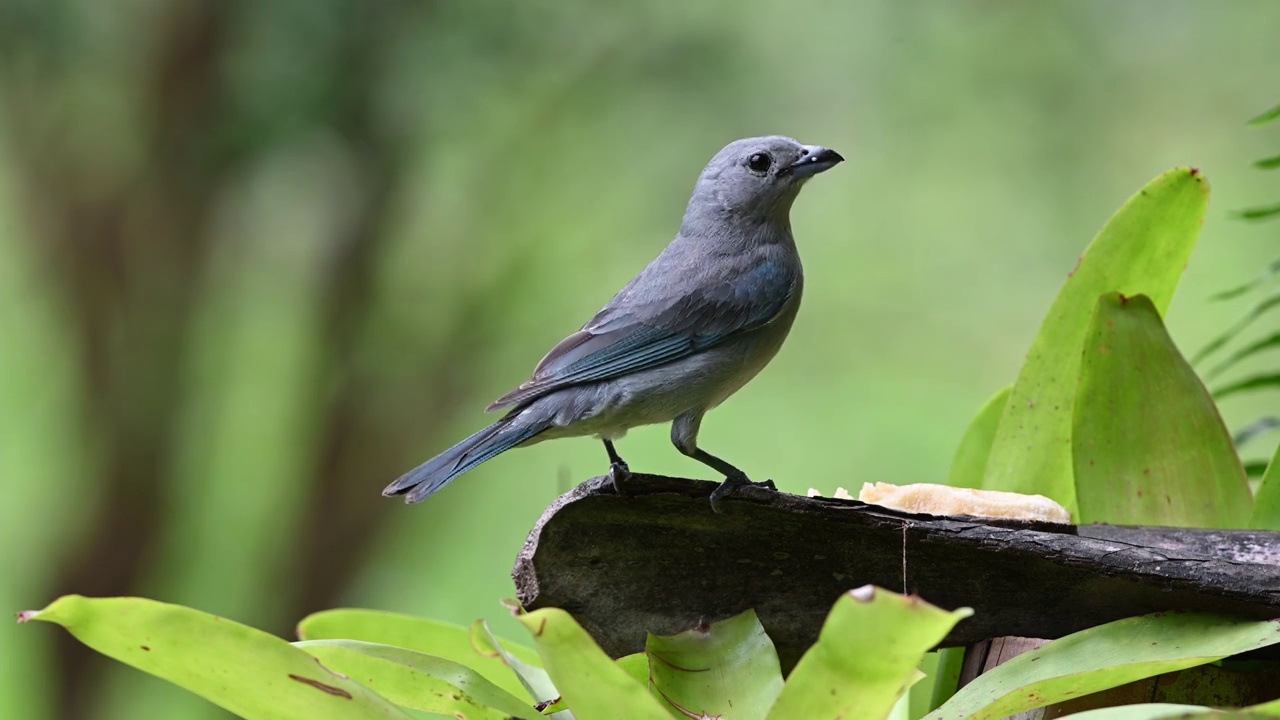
pixel 428 478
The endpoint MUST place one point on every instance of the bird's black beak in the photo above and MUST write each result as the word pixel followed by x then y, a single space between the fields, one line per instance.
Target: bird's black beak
pixel 814 160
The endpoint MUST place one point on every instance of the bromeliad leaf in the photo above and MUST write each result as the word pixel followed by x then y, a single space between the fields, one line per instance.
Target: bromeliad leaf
pixel 419 681
pixel 536 682
pixel 1104 657
pixel 1161 711
pixel 250 673
pixel 1266 504
pixel 970 461
pixel 452 642
pixel 865 658
pixel 592 684
pixel 1148 445
pixel 1143 249
pixel 728 669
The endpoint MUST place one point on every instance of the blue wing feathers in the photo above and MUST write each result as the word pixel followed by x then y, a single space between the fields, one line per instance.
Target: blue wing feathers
pixel 622 340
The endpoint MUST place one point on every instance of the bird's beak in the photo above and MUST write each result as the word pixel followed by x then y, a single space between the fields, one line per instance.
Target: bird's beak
pixel 816 160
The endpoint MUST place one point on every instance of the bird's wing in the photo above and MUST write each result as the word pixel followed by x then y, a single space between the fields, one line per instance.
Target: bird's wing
pixel 625 339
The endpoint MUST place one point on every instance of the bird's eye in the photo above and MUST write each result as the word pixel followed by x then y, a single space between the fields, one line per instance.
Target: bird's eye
pixel 759 162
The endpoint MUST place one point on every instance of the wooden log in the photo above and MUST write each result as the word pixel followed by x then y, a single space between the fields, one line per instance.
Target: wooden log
pixel 660 561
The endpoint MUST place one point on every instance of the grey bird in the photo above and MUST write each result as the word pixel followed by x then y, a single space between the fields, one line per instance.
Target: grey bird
pixel 686 333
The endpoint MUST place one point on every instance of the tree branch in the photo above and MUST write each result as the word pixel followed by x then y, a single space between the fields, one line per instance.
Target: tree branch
pixel 660 561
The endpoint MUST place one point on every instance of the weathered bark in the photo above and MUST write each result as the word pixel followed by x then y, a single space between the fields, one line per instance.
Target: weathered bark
pixel 661 561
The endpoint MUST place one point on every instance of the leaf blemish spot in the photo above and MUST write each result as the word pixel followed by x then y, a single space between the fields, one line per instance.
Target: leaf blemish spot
pixel 145 648
pixel 335 691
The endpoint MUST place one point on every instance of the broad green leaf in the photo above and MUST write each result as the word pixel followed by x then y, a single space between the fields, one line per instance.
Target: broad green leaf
pixel 728 669
pixel 1104 657
pixel 1255 382
pixel 865 657
pixel 1266 117
pixel 1266 504
pixel 452 642
pixel 592 684
pixel 253 674
pixel 416 680
pixel 637 666
pixel 1270 163
pixel 535 681
pixel 1271 342
pixel 947 680
pixel 1161 711
pixel 1253 313
pixel 1146 711
pixel 970 461
pixel 902 709
pixel 1149 447
pixel 1143 249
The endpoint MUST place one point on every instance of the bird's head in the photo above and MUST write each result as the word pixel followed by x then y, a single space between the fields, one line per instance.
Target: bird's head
pixel 759 177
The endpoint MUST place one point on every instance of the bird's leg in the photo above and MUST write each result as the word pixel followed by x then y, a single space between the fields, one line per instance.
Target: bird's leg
pixel 733 478
pixel 684 435
pixel 619 473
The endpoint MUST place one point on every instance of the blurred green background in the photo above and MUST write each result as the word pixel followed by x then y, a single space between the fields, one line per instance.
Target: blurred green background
pixel 259 258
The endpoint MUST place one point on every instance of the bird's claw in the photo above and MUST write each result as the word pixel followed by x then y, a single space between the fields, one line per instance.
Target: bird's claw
pixel 731 485
pixel 619 473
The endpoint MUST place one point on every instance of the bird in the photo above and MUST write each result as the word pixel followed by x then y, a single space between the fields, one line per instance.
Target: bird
pixel 693 327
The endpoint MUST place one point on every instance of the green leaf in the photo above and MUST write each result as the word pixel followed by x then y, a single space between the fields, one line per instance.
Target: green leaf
pixel 637 666
pixel 1255 468
pixel 1266 117
pixel 970 461
pixel 1104 657
pixel 1254 430
pixel 1253 313
pixel 865 658
pixel 535 681
pixel 947 681
pixel 1270 163
pixel 1253 348
pixel 1271 271
pixel 728 669
pixel 1147 711
pixel 1255 382
pixel 1142 249
pixel 1149 447
pixel 452 642
pixel 419 681
pixel 1162 711
pixel 249 672
pixel 1266 504
pixel 592 684
pixel 1262 212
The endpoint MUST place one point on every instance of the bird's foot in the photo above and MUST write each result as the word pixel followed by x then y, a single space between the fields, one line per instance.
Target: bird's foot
pixel 619 473
pixel 731 485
